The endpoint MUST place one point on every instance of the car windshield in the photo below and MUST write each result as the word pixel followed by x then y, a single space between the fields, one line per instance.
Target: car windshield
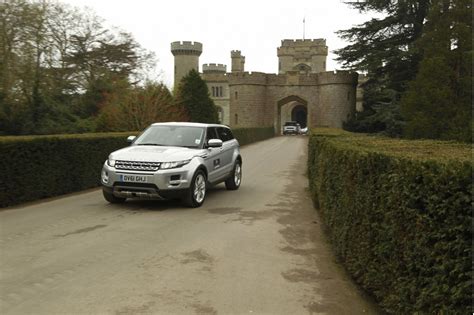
pixel 176 136
pixel 290 123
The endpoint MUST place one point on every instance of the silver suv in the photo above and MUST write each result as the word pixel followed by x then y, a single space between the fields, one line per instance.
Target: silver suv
pixel 291 127
pixel 173 160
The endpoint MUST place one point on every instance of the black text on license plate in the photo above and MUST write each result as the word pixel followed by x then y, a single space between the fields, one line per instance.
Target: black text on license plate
pixel 133 178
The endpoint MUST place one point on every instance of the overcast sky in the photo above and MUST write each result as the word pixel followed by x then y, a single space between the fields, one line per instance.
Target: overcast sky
pixel 254 27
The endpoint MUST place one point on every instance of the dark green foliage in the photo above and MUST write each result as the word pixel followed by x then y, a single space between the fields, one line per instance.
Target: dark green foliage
pixel 438 102
pixel 399 217
pixel 250 135
pixel 380 46
pixel 43 166
pixel 35 167
pixel 420 55
pixel 383 47
pixel 193 95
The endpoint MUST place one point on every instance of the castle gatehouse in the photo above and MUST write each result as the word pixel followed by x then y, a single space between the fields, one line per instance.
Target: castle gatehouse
pixel 302 90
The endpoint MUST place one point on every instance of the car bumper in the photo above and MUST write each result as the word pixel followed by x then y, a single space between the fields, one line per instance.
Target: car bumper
pixel 162 184
pixel 293 132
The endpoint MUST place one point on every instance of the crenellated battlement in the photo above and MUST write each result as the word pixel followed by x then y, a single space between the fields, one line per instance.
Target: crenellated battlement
pixel 235 53
pixel 303 42
pixel 186 48
pixel 292 78
pixel 337 77
pixel 300 48
pixel 214 67
pixel 250 78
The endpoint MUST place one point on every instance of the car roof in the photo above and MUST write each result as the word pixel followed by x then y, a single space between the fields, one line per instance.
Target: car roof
pixel 188 124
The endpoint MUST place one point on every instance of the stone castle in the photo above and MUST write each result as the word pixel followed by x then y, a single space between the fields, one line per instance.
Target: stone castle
pixel 302 90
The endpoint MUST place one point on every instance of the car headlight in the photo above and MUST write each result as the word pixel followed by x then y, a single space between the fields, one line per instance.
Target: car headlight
pixel 168 165
pixel 111 162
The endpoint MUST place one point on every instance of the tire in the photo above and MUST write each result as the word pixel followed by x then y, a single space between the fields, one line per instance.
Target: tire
pixel 233 182
pixel 111 198
pixel 197 191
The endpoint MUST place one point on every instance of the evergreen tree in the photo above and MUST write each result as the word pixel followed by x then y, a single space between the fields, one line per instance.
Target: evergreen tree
pixel 438 102
pixel 193 95
pixel 384 48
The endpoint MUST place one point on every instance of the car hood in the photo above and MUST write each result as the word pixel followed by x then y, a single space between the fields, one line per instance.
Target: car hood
pixel 155 154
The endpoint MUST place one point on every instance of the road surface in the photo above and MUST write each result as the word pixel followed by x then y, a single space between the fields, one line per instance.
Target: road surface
pixel 258 250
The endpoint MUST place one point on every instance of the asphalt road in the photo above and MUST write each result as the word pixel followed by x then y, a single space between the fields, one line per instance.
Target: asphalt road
pixel 258 250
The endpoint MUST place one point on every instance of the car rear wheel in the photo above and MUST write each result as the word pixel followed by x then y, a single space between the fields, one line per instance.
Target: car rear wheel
pixel 111 198
pixel 197 192
pixel 233 182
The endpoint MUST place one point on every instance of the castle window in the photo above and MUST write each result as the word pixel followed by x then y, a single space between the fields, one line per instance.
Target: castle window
pixel 348 95
pixel 217 91
pixel 236 117
pixel 236 95
pixel 324 65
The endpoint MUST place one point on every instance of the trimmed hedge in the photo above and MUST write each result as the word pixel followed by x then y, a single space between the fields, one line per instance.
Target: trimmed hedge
pixel 250 135
pixel 399 216
pixel 35 167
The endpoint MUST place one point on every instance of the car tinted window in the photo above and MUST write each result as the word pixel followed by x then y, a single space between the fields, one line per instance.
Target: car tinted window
pixel 224 134
pixel 211 133
pixel 231 136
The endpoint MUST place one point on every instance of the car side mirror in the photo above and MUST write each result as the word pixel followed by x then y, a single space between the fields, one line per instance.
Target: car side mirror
pixel 130 139
pixel 214 143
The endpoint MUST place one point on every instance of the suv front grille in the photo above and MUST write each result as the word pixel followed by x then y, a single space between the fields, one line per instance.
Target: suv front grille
pixel 137 165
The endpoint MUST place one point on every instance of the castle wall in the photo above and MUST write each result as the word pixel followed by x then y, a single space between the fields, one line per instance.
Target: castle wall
pixel 215 79
pixel 247 99
pixel 319 63
pixel 337 98
pixel 255 99
pixel 329 97
pixel 360 93
pixel 186 64
pixel 279 96
pixel 285 64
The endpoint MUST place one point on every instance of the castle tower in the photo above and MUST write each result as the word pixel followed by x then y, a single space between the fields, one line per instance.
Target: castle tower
pixel 238 61
pixel 186 57
pixel 337 98
pixel 302 55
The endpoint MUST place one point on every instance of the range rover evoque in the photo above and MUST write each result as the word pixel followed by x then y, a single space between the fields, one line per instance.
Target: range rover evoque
pixel 173 160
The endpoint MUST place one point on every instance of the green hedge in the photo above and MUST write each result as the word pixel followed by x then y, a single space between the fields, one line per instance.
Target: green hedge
pixel 34 167
pixel 399 216
pixel 249 135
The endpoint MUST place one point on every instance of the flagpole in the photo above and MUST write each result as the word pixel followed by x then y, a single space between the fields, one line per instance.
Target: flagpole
pixel 304 24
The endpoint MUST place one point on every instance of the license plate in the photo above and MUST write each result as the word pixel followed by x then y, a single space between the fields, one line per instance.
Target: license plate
pixel 134 178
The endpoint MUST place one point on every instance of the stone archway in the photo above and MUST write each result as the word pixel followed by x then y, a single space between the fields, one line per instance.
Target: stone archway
pixel 289 108
pixel 299 113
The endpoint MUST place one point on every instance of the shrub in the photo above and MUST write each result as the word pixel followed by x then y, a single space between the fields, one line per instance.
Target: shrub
pixel 399 216
pixel 249 135
pixel 34 167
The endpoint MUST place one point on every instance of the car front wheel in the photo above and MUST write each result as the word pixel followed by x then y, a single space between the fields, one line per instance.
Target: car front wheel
pixel 233 182
pixel 197 192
